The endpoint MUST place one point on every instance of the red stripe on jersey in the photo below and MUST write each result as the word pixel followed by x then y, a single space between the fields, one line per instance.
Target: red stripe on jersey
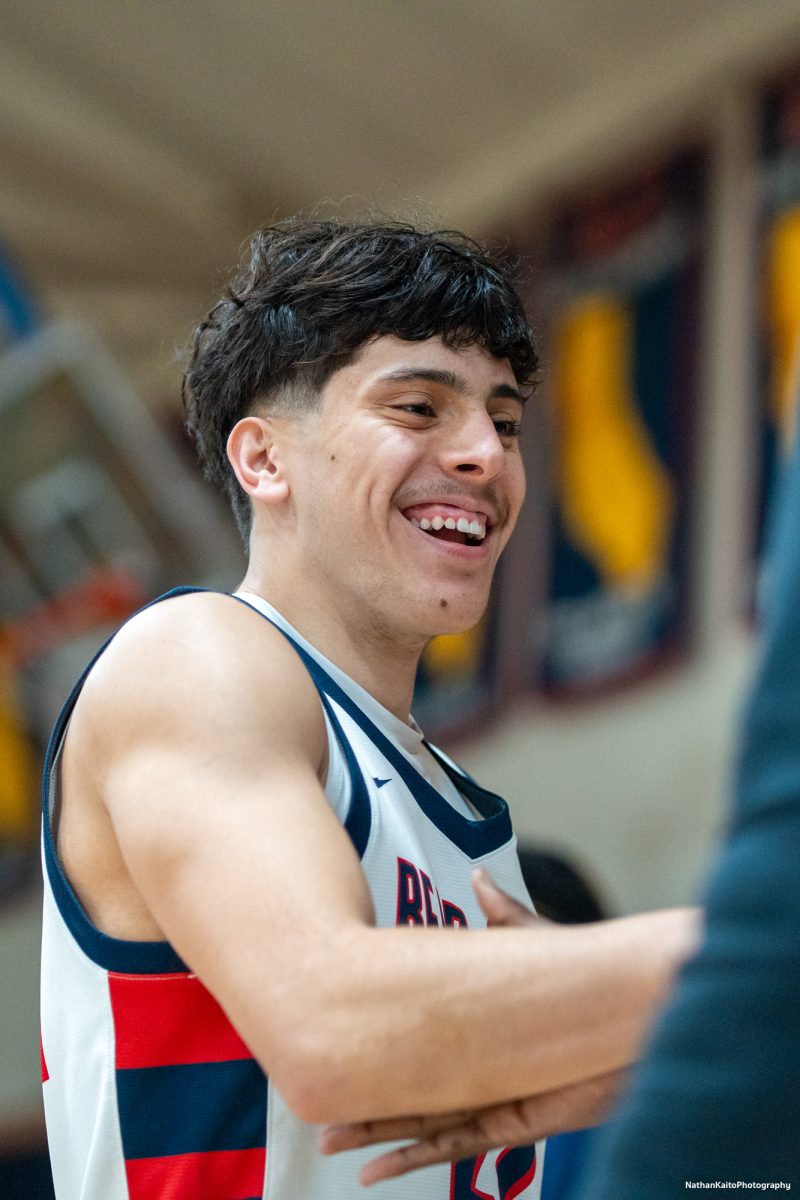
pixel 234 1174
pixel 45 1072
pixel 167 1020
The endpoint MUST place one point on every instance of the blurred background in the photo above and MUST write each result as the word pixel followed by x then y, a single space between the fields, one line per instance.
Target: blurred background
pixel 640 159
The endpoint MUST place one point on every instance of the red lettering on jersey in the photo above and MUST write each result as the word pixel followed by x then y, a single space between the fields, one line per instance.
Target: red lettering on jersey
pixel 415 892
pixel 478 1192
pixel 409 894
pixel 45 1072
pixel 453 915
pixel 427 889
pixel 516 1170
pixel 506 1176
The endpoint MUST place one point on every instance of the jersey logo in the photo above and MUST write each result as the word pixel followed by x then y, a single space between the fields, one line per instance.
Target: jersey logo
pixel 379 783
pixel 498 1175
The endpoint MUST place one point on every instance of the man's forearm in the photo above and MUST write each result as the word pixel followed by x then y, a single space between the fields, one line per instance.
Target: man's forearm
pixel 463 1019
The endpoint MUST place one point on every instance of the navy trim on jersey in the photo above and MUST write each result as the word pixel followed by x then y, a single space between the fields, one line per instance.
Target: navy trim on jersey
pixel 110 953
pixel 453 769
pixel 358 822
pixel 485 802
pixel 192 1108
pixel 474 838
pixel 113 954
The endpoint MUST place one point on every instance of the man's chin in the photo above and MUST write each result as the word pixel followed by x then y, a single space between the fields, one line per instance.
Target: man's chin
pixel 452 618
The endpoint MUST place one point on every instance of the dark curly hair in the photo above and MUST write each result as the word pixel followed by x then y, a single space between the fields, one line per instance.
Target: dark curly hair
pixel 311 294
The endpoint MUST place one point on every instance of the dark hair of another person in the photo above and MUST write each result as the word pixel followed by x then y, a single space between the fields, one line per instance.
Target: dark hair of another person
pixel 312 293
pixel 559 889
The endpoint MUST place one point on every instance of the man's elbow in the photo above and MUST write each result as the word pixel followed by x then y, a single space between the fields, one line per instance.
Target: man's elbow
pixel 324 1078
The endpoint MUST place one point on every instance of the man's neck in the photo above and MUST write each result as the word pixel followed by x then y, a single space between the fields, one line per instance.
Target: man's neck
pixel 378 660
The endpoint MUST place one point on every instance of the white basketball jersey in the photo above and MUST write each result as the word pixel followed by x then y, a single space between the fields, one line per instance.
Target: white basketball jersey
pixel 150 1094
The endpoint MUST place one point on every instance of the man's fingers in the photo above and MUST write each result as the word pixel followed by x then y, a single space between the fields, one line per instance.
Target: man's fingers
pixel 499 1125
pixel 448 1146
pixel 334 1138
pixel 499 908
pixel 514 1123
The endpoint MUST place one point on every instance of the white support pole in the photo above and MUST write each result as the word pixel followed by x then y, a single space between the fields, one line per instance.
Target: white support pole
pixel 727 426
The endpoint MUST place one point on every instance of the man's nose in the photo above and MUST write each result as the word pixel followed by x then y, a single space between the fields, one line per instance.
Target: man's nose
pixel 475 449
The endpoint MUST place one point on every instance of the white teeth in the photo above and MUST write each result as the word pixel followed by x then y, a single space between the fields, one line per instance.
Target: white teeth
pixel 474 529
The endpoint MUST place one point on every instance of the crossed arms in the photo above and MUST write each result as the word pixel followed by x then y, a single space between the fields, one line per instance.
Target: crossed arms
pixel 199 740
pixel 448 1137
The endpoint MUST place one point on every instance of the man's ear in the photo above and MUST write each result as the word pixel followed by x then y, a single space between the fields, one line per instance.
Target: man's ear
pixel 254 454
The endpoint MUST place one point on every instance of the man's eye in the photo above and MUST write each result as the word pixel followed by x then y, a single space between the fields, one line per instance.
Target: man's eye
pixel 508 428
pixel 422 409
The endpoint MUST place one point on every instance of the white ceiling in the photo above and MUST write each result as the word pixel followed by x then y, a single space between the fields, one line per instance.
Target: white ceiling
pixel 141 141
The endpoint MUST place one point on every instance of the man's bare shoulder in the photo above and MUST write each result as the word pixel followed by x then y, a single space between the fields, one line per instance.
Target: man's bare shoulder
pixel 200 662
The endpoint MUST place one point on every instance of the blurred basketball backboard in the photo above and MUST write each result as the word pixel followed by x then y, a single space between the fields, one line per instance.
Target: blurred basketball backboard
pixel 99 512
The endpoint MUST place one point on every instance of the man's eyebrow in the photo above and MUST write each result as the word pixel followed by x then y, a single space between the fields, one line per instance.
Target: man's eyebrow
pixel 504 391
pixel 448 379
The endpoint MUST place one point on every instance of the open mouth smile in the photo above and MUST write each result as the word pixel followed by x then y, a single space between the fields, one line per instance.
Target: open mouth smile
pixel 448 523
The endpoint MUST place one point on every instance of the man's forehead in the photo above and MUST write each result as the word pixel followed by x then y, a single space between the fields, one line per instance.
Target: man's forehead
pixel 391 358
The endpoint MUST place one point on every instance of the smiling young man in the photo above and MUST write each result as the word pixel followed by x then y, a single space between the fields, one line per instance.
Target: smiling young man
pixel 247 840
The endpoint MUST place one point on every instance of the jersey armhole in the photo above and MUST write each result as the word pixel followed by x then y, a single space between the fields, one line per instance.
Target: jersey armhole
pixel 110 953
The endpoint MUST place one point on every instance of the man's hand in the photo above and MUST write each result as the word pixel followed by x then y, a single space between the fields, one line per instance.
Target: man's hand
pixel 448 1137
pixel 498 908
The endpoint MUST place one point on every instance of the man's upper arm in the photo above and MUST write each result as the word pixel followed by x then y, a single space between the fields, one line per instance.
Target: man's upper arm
pixel 208 737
